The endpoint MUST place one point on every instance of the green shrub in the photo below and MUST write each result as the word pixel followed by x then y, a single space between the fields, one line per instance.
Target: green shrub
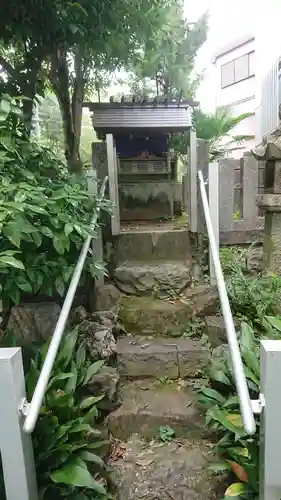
pixel 45 214
pixel 66 446
pixel 237 452
pixel 251 297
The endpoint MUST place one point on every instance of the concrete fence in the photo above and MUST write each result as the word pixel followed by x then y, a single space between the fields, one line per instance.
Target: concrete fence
pixel 233 194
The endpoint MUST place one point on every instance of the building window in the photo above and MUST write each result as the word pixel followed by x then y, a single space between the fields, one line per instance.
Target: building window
pixel 237 70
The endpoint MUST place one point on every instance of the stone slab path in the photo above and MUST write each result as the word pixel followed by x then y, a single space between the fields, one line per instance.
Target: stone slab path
pixel 148 405
pixel 176 470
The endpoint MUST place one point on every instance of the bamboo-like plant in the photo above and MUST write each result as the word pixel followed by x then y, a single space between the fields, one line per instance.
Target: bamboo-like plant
pixel 218 128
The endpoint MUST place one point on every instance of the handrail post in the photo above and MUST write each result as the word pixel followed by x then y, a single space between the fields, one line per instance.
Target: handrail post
pixel 234 351
pixel 213 188
pixel 15 445
pixel 270 436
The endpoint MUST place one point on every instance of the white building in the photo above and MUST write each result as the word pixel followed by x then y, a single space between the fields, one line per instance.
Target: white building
pixel 235 84
pixel 268 57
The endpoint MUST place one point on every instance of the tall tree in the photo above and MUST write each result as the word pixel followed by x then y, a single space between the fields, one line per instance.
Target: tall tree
pixel 68 44
pixel 166 66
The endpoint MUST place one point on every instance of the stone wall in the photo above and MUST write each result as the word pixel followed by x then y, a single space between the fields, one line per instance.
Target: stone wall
pixel 240 184
pixel 149 200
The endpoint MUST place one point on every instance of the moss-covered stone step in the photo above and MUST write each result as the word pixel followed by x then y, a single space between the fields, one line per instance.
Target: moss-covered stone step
pixel 152 316
pixel 158 278
pixel 146 244
pixel 149 405
pixel 142 357
pixel 148 315
pixel 175 470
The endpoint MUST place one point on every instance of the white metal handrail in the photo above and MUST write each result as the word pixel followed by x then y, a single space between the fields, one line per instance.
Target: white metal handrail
pixel 237 364
pixel 32 410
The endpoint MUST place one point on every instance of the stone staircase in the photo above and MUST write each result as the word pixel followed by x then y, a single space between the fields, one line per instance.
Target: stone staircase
pixel 162 447
pixel 159 377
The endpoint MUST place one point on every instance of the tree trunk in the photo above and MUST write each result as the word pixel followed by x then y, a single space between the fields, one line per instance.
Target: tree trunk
pixel 77 104
pixel 71 108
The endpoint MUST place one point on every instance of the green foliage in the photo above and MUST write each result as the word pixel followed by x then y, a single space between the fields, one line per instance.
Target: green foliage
pixel 166 433
pixel 237 452
pixel 251 297
pixel 194 329
pixel 71 46
pixel 45 214
pixel 66 446
pixel 217 129
pixel 255 300
pixel 165 66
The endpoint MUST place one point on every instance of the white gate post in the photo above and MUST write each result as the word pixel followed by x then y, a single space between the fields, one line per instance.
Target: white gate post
pixel 192 162
pixel 15 446
pixel 270 436
pixel 213 192
pixel 113 183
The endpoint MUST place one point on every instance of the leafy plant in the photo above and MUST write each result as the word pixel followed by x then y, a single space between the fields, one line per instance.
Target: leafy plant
pixel 251 297
pixel 66 446
pixel 233 259
pixel 238 453
pixel 97 37
pixel 166 433
pixel 45 214
pixel 167 69
pixel 194 329
pixel 236 215
pixel 217 128
pixel 165 380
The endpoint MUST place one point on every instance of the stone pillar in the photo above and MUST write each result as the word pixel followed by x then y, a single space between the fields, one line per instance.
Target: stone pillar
pixel 270 201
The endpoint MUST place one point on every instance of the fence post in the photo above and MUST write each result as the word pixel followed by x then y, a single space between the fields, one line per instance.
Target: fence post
pixel 226 166
pixel 270 437
pixel 192 212
pixel 213 187
pixel 15 445
pixel 113 184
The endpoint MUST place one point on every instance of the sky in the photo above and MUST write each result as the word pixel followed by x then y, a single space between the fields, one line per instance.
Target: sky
pixel 228 20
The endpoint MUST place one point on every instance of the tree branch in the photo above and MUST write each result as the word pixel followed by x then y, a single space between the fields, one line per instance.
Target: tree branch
pixel 7 66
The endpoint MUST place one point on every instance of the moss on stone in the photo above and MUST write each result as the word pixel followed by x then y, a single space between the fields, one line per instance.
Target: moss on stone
pixel 152 316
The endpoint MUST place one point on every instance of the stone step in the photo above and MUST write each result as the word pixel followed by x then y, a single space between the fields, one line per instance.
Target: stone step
pixel 143 357
pixel 148 315
pixel 146 244
pixel 215 329
pixel 148 405
pixel 158 278
pixel 175 470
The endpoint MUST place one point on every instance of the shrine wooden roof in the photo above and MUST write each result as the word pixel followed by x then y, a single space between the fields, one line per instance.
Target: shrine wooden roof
pixel 145 115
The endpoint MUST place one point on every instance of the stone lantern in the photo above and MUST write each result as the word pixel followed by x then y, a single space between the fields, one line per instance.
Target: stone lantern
pixel 270 200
